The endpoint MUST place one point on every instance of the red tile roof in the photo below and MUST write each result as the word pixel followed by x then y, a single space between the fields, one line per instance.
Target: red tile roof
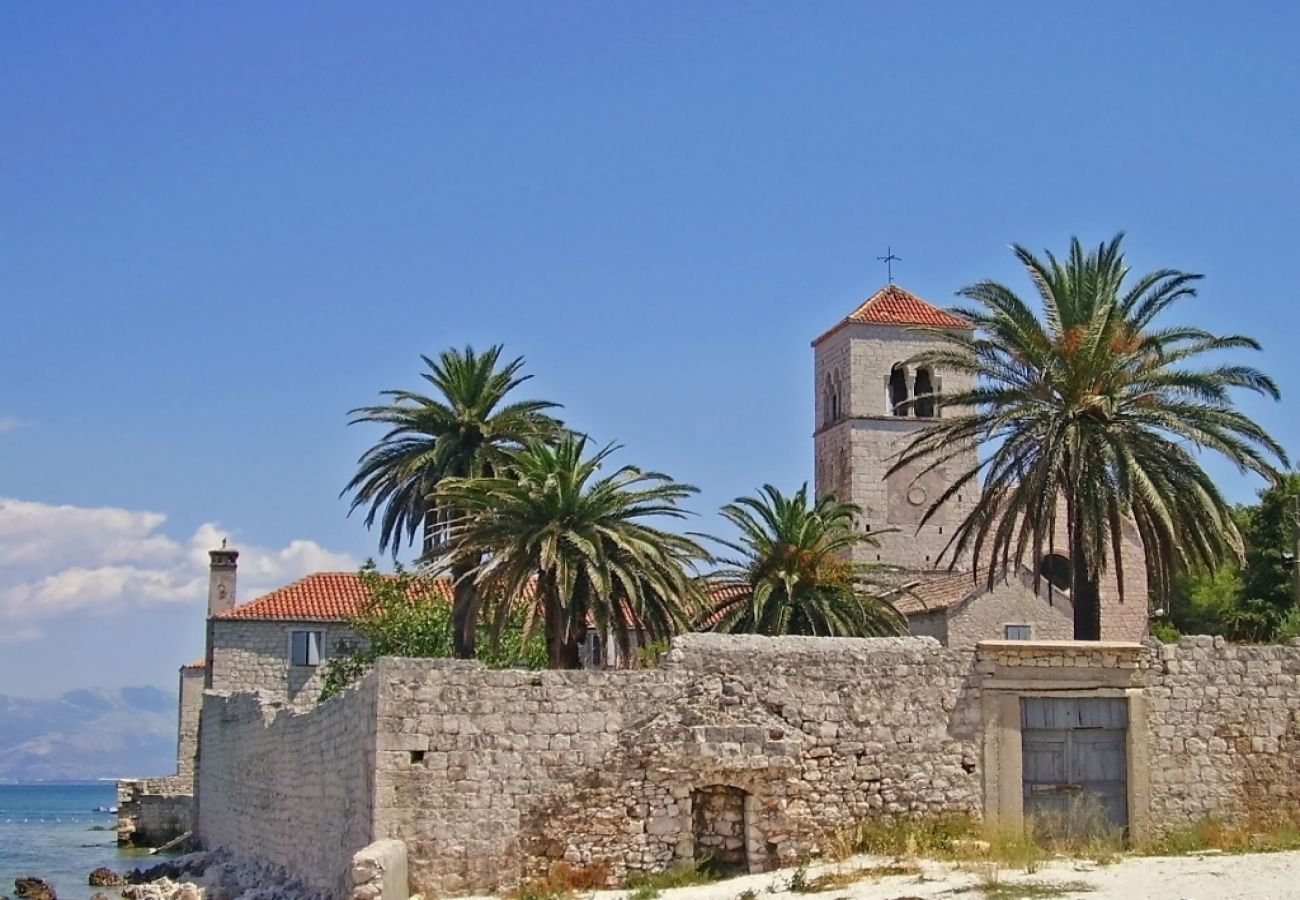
pixel 891 305
pixel 197 664
pixel 939 591
pixel 322 596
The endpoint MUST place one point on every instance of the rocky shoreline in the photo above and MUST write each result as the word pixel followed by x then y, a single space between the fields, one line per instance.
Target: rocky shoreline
pixel 195 876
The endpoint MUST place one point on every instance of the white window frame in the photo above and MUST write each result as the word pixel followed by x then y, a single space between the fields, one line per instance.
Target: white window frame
pixel 320 648
pixel 1029 631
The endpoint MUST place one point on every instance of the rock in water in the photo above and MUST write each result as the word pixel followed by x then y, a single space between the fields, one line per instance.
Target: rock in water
pixel 105 877
pixel 99 895
pixel 30 888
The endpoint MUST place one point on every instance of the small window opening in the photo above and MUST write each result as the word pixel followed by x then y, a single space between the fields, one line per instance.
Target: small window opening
pixel 417 757
pixel 304 648
pixel 924 394
pixel 1017 632
pixel 592 648
pixel 898 391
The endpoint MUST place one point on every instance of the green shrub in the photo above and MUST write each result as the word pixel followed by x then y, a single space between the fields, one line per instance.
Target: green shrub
pixel 1165 631
pixel 404 615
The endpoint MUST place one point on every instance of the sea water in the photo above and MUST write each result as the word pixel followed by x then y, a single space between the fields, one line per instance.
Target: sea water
pixel 53 831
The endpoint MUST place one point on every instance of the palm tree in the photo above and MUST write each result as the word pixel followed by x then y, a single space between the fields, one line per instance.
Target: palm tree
pixel 791 575
pixel 1094 404
pixel 548 530
pixel 465 430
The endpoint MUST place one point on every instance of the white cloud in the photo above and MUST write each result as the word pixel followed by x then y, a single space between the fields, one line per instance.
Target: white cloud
pixel 9 423
pixel 59 561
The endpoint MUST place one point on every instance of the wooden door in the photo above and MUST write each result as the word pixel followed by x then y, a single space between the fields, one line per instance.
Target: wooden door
pixel 1074 757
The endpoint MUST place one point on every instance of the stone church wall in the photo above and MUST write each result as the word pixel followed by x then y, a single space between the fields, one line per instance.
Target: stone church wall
pixel 986 616
pixel 290 788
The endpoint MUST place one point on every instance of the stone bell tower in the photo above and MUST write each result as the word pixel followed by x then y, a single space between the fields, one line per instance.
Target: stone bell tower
pixel 862 378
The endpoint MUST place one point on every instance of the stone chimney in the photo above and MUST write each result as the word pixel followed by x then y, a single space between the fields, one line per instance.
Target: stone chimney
pixel 221 579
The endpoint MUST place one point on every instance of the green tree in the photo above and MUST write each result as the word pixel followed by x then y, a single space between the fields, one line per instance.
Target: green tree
pixel 1269 530
pixel 406 615
pixel 1095 403
pixel 1254 602
pixel 548 532
pixel 465 431
pixel 789 574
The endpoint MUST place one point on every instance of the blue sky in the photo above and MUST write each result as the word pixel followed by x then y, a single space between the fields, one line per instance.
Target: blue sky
pixel 224 225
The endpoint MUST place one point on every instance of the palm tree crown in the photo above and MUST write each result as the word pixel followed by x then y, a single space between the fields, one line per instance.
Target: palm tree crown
pixel 790 575
pixel 466 430
pixel 548 529
pixel 1093 404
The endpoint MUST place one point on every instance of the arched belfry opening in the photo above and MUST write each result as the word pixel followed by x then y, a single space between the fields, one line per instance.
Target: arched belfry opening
pixel 833 399
pixel 924 393
pixel 898 390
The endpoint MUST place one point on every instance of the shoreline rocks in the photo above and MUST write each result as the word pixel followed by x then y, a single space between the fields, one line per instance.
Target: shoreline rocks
pixel 29 887
pixel 105 877
pixel 214 876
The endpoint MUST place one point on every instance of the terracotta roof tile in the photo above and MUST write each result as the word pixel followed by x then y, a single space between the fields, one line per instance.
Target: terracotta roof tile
pixel 937 591
pixel 891 305
pixel 197 664
pixel 322 596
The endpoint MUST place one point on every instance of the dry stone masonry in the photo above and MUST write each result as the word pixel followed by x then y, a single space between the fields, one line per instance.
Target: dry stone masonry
pixel 748 750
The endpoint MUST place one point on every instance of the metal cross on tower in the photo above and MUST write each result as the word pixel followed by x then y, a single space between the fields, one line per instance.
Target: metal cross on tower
pixel 889 259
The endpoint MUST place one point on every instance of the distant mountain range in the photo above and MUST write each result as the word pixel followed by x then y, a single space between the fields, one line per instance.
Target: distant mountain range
pixel 88 734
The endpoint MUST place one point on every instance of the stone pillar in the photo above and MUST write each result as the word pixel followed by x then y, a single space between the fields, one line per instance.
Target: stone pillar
pixel 221 579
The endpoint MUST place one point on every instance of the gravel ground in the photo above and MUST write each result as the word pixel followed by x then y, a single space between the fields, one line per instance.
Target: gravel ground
pixel 1258 876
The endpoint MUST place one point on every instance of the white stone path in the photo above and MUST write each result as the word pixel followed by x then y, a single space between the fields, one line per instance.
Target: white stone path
pixel 1258 876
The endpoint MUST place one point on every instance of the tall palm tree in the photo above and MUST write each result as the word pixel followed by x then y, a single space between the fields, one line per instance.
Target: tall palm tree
pixel 548 530
pixel 791 575
pixel 465 430
pixel 1094 403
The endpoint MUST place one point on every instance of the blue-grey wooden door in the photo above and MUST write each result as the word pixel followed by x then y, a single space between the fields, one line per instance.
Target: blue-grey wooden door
pixel 1075 764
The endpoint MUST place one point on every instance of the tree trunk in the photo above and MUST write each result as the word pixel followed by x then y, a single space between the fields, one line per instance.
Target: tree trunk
pixel 1085 591
pixel 464 611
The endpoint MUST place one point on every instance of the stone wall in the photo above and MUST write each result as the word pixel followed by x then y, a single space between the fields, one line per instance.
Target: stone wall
pixel 289 788
pixel 1225 731
pixel 153 811
pixel 747 748
pixel 253 655
pixel 490 776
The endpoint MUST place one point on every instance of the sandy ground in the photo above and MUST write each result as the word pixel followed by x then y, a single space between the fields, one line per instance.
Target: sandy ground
pixel 1258 876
